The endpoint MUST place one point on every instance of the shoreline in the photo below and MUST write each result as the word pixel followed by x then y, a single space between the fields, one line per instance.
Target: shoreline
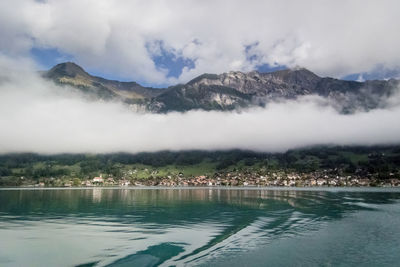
pixel 263 188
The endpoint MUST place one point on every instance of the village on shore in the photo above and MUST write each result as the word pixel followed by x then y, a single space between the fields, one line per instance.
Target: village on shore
pixel 235 178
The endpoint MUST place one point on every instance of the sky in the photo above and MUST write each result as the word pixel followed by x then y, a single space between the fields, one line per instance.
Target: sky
pixel 164 42
pixel 160 43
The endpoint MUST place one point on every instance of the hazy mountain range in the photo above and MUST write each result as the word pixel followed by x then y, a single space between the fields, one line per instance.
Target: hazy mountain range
pixel 228 91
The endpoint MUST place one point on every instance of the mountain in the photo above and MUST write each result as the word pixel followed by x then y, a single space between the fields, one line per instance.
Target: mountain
pixel 71 74
pixel 230 90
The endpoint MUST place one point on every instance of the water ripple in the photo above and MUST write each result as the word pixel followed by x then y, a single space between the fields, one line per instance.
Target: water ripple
pixel 187 227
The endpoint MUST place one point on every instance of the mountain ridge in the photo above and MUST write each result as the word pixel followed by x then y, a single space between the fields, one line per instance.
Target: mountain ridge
pixel 229 91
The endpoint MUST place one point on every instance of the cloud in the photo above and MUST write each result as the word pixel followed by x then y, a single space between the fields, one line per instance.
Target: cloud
pixel 332 38
pixel 37 116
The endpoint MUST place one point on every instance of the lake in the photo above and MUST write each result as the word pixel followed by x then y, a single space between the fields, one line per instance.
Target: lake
pixel 199 227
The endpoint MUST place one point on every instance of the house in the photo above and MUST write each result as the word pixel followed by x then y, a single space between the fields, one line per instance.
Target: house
pixel 364 182
pixel 333 182
pixel 124 183
pixel 98 180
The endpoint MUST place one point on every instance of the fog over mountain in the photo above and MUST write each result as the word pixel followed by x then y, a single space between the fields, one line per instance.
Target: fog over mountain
pixel 37 115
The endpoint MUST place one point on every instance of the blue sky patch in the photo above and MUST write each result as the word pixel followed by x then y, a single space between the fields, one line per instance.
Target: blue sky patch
pixel 169 60
pixel 252 57
pixel 48 57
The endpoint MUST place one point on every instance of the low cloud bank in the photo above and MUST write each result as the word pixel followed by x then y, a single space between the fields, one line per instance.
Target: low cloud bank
pixel 37 116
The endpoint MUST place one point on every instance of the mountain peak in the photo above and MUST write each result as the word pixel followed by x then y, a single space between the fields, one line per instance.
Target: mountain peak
pixel 304 71
pixel 299 76
pixel 69 69
pixel 296 71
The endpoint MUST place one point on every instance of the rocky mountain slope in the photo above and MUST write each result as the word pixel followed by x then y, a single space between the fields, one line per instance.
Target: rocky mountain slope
pixel 230 90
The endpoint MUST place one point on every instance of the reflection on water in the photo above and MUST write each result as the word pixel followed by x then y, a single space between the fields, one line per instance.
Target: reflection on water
pixel 150 227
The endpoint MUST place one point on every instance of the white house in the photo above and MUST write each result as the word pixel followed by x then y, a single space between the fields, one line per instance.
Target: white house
pixel 98 180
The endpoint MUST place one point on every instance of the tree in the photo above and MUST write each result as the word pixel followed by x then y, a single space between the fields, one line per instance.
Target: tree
pixel 76 182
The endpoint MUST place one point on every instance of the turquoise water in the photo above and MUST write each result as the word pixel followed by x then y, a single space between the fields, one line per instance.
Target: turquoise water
pixel 199 227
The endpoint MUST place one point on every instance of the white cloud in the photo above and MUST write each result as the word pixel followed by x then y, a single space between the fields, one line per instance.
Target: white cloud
pixel 329 37
pixel 37 116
